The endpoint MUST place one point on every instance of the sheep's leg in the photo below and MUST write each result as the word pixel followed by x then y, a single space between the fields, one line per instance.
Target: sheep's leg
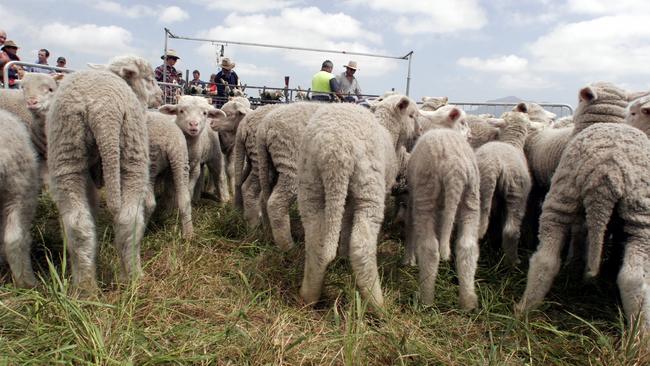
pixel 221 185
pixel 634 283
pixel 278 207
pixel 129 229
pixel 576 251
pixel 230 171
pixel 197 182
pixel 71 197
pixel 251 193
pixel 346 228
pixel 453 190
pixel 409 252
pixel 467 250
pixel 598 212
pixel 427 250
pixel 488 185
pixel 17 241
pixel 515 210
pixel 363 251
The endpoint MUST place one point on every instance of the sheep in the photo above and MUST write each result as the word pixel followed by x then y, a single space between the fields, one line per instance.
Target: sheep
pixel 247 185
pixel 19 182
pixel 638 114
pixel 347 165
pixel 566 121
pixel 538 116
pixel 442 171
pixel 302 95
pixel 278 136
pixel 447 116
pixel 192 114
pixel 433 103
pixel 168 154
pixel 504 171
pixel 605 169
pixel 98 117
pixel 481 132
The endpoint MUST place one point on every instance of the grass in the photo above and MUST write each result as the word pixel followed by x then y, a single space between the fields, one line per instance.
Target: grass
pixel 229 297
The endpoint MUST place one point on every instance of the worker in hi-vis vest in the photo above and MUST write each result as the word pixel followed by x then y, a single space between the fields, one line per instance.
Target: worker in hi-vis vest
pixel 324 83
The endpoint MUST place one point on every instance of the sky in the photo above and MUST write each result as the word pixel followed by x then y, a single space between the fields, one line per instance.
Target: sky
pixel 468 50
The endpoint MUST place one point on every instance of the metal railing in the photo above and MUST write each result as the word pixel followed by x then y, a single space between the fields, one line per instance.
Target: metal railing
pixel 496 109
pixel 8 65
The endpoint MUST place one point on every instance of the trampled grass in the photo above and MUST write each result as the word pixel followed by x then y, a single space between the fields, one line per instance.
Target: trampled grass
pixel 230 297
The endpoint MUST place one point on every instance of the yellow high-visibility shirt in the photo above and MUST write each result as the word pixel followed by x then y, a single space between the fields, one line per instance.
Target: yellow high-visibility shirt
pixel 320 83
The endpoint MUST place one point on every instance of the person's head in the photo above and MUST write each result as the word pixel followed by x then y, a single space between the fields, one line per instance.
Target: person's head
pixel 226 65
pixel 172 57
pixel 10 47
pixel 213 78
pixel 43 54
pixel 327 66
pixel 196 74
pixel 3 37
pixel 351 68
pixel 61 61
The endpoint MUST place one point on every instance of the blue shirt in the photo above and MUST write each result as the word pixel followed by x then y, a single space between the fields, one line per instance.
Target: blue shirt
pixel 231 79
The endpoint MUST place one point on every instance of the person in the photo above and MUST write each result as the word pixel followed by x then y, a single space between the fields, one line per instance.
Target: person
pixel 3 37
pixel 324 84
pixel 61 61
pixel 43 55
pixel 225 77
pixel 167 73
pixel 348 83
pixel 196 79
pixel 3 55
pixel 10 49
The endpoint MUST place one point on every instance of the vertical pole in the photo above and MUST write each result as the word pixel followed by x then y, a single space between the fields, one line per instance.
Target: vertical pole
pixel 165 59
pixel 408 76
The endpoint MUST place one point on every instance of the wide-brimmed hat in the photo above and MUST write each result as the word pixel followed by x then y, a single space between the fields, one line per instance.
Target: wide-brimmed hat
pixel 352 65
pixel 170 54
pixel 10 43
pixel 227 64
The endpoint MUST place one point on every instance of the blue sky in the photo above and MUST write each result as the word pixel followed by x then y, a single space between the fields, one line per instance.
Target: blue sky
pixel 469 50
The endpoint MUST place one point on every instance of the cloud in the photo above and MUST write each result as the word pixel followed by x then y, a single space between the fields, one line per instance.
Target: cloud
pixel 248 6
pixel 504 64
pixel 172 14
pixel 295 27
pixel 608 7
pixel 135 11
pixel 611 46
pixel 523 80
pixel 431 16
pixel 87 38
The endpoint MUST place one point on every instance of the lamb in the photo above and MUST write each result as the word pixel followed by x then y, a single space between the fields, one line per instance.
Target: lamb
pixel 19 182
pixel 566 121
pixel 247 185
pixel 605 169
pixel 433 103
pixel 99 116
pixel 448 116
pixel 347 165
pixel 504 171
pixel 278 137
pixel 192 114
pixel 481 132
pixel 538 116
pixel 168 154
pixel 638 114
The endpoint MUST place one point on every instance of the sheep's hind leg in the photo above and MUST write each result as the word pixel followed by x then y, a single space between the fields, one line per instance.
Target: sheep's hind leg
pixel 129 229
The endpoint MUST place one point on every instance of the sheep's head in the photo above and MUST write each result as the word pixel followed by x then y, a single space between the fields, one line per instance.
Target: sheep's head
pixel 600 102
pixel 447 116
pixel 399 115
pixel 638 114
pixel 536 113
pixel 233 112
pixel 514 128
pixel 192 114
pixel 137 72
pixel 38 90
pixel 433 103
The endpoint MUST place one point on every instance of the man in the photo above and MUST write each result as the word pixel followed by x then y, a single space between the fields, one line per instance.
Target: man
pixel 3 56
pixel 167 73
pixel 43 54
pixel 196 79
pixel 225 77
pixel 10 49
pixel 61 61
pixel 323 84
pixel 348 83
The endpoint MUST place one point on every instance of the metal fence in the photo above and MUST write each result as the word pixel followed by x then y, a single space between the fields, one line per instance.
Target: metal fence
pixel 10 64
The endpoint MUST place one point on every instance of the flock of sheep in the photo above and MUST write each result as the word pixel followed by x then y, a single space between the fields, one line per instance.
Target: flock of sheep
pixel 341 162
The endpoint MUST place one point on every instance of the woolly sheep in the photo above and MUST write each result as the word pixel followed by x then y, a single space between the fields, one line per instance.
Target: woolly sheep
pixel 348 162
pixel 192 114
pixel 638 114
pixel 278 137
pixel 99 116
pixel 433 103
pixel 481 132
pixel 504 172
pixel 444 187
pixel 447 116
pixel 538 116
pixel 566 121
pixel 604 169
pixel 19 182
pixel 168 154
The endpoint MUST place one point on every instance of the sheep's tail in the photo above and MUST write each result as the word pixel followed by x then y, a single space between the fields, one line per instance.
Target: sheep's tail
pixel 489 176
pixel 107 137
pixel 240 174
pixel 264 163
pixel 336 179
pixel 599 206
pixel 453 192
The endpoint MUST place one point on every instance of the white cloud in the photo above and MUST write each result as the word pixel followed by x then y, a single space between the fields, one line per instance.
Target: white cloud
pixel 135 11
pixel 610 46
pixel 248 6
pixel 431 16
pixel 608 7
pixel 172 14
pixel 523 81
pixel 87 38
pixel 504 64
pixel 258 70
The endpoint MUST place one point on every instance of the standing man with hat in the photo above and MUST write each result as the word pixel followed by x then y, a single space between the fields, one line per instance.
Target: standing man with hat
pixel 10 50
pixel 225 77
pixel 167 73
pixel 348 83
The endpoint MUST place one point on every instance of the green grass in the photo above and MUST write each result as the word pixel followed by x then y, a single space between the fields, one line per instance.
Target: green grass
pixel 229 297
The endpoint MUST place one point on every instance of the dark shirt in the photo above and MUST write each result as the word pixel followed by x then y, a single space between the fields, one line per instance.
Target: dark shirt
pixel 172 77
pixel 230 79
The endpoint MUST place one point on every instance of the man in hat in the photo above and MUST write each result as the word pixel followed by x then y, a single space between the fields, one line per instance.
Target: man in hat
pixel 10 49
pixel 324 85
pixel 167 73
pixel 225 77
pixel 348 83
pixel 61 61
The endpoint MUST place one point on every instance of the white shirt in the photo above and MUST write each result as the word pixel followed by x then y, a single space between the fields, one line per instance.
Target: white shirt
pixel 347 86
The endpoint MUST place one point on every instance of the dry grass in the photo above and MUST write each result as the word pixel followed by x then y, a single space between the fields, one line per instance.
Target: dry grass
pixel 228 297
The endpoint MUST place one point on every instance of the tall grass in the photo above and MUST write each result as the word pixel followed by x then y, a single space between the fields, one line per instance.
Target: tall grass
pixel 230 297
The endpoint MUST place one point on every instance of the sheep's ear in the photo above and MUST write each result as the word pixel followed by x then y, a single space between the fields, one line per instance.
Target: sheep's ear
pixel 127 72
pixel 96 66
pixel 403 104
pixel 588 94
pixel 454 114
pixel 445 100
pixel 215 113
pixel 242 110
pixel 636 95
pixel 521 107
pixel 645 110
pixel 169 109
pixel 220 122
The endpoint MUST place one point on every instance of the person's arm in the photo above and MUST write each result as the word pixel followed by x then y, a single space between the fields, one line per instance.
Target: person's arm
pixel 357 90
pixel 336 87
pixel 159 74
